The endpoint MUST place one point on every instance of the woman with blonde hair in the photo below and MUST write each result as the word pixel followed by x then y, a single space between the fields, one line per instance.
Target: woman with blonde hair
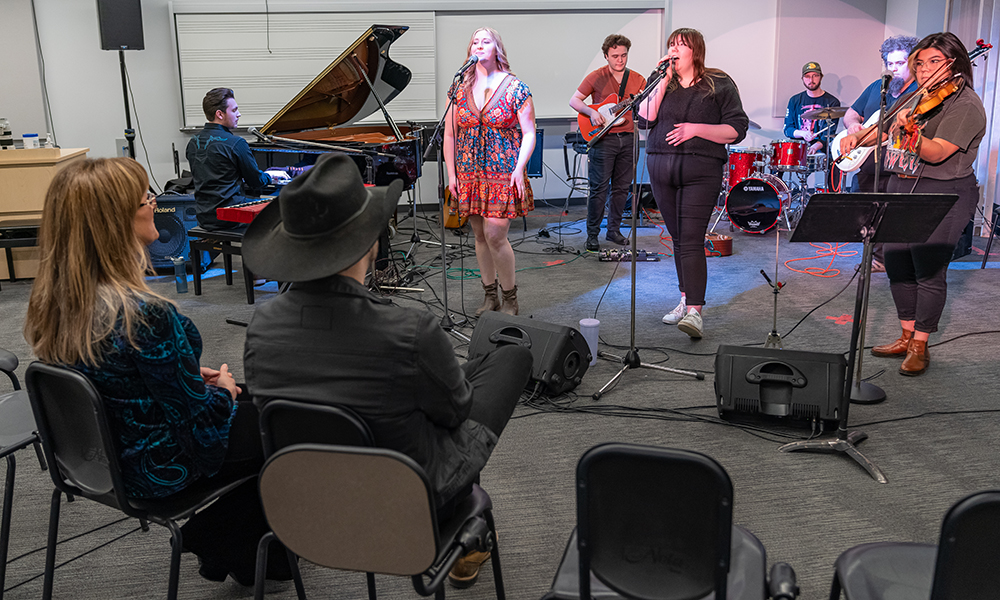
pixel 177 424
pixel 489 137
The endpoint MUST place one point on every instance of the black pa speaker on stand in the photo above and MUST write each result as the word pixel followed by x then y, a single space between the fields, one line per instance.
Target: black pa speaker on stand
pixel 560 355
pixel 175 215
pixel 120 22
pixel 779 383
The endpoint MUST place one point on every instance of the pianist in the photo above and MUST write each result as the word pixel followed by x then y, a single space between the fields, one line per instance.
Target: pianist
pixel 221 162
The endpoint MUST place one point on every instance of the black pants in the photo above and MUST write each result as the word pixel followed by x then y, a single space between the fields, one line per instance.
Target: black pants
pixel 226 533
pixel 918 272
pixel 609 166
pixel 686 188
pixel 497 379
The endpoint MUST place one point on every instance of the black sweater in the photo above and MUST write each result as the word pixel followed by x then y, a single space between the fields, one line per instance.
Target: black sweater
pixel 697 104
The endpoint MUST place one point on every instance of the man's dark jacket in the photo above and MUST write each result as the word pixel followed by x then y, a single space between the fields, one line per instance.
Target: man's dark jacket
pixel 332 341
pixel 220 162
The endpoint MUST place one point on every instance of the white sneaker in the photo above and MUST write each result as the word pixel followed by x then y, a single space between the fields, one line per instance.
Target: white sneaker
pixel 674 317
pixel 691 324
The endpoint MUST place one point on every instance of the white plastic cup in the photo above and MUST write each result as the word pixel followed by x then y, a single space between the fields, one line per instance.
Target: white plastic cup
pixel 590 330
pixel 30 141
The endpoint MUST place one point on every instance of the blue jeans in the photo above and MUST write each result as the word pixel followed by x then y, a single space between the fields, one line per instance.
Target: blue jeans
pixel 609 168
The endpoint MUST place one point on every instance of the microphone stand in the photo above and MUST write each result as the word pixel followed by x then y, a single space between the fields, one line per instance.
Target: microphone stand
pixel 631 359
pixel 437 138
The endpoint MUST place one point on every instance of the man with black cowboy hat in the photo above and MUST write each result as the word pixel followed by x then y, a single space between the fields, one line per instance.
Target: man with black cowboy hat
pixel 327 339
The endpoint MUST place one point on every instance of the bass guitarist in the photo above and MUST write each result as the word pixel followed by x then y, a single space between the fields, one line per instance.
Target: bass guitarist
pixel 610 159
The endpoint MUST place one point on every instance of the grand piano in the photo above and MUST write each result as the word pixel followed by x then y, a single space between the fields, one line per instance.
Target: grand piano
pixel 319 119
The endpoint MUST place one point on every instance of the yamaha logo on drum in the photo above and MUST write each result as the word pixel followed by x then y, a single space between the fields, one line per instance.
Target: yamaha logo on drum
pixel 753 188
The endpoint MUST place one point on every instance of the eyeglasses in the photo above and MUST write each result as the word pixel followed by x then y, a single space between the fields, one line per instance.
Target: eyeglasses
pixel 932 63
pixel 150 200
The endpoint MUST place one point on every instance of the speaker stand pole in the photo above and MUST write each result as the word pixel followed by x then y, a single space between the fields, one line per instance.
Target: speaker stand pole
pixel 631 359
pixel 129 132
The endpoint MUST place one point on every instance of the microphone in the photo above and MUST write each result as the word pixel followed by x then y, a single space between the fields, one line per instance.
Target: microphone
pixel 468 65
pixel 887 76
pixel 256 133
pixel 662 67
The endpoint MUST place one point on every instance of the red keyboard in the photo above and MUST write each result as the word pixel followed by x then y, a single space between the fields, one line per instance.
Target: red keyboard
pixel 242 213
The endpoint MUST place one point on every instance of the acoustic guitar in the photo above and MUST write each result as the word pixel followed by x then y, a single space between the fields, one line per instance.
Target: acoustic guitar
pixel 452 220
pixel 609 109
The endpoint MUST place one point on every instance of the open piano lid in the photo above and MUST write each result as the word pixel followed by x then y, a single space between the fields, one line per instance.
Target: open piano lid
pixel 339 95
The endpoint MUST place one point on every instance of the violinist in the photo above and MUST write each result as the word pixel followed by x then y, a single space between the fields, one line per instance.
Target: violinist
pixel 942 133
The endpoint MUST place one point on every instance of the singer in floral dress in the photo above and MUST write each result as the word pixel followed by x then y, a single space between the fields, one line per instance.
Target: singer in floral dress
pixel 489 137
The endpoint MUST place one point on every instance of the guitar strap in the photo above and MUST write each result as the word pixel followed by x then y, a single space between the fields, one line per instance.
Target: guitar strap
pixel 621 88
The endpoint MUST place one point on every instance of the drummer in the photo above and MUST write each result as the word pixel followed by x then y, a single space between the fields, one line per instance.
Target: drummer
pixel 812 131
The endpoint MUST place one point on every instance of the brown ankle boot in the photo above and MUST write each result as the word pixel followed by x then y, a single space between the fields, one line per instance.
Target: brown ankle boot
pixel 509 302
pixel 896 348
pixel 491 301
pixel 917 358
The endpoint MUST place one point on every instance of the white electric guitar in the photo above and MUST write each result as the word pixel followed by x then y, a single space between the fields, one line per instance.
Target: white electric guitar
pixel 855 158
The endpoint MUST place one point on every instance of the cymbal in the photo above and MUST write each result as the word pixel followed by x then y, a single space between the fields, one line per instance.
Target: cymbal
pixel 754 125
pixel 829 112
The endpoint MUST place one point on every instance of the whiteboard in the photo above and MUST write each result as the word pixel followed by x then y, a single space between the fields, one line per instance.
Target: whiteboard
pixel 550 51
pixel 267 59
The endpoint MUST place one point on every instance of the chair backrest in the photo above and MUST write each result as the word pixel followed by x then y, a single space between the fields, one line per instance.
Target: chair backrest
pixel 969 550
pixel 286 422
pixel 653 523
pixel 353 508
pixel 75 436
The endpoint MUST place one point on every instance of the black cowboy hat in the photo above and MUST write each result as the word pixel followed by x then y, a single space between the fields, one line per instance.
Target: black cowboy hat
pixel 324 221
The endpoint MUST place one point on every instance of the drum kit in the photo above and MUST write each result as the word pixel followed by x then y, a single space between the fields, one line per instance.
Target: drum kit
pixel 756 199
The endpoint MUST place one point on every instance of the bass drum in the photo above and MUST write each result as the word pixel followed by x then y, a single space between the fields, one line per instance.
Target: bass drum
pixel 754 205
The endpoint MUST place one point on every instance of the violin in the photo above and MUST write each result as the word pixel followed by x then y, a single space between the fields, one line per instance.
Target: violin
pixel 931 100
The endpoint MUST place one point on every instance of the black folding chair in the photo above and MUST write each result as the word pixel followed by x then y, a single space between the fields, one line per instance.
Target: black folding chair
pixel 656 524
pixel 382 521
pixel 83 460
pixel 964 565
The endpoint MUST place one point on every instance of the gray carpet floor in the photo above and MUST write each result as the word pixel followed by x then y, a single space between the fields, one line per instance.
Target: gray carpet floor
pixel 936 437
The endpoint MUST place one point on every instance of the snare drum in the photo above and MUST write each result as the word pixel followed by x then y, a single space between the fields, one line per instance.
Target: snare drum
pixel 788 155
pixel 754 204
pixel 743 162
pixel 816 163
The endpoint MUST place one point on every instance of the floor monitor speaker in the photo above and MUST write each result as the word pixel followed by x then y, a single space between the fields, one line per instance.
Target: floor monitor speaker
pixel 175 215
pixel 779 383
pixel 560 355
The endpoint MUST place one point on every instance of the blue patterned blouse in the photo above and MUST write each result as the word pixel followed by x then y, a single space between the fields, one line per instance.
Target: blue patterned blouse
pixel 172 427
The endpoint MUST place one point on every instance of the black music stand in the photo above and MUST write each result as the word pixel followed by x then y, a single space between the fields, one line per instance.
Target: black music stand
pixel 868 218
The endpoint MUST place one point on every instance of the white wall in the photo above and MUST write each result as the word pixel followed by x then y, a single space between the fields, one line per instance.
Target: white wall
pixel 20 90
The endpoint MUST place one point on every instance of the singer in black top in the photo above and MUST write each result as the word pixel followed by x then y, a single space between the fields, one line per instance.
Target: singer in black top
pixel 694 113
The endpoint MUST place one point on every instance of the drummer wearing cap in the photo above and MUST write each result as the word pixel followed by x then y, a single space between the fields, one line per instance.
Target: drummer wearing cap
pixel 328 340
pixel 813 98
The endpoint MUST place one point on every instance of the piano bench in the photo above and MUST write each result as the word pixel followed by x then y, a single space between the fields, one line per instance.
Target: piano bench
pixel 218 241
pixel 17 234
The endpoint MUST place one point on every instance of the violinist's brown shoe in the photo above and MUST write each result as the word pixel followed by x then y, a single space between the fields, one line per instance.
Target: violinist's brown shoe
pixel 918 358
pixel 896 348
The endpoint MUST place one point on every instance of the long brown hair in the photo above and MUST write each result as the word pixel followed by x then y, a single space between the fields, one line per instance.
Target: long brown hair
pixel 472 75
pixel 949 45
pixel 693 39
pixel 92 264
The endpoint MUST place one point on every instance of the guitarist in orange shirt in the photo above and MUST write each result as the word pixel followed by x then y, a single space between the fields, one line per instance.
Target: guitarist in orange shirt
pixel 610 159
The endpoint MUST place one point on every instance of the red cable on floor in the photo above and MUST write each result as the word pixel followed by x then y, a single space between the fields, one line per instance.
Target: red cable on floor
pixel 823 250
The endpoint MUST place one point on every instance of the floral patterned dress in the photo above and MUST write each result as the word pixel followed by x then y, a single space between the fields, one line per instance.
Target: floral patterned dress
pixel 486 153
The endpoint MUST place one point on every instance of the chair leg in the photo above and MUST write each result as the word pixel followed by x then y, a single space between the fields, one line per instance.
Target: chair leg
pixel 176 544
pixel 50 549
pixel 227 261
pixel 835 587
pixel 144 525
pixel 8 505
pixel 293 563
pixel 261 570
pixel 248 283
pixel 195 266
pixel 989 243
pixel 371 586
pixel 41 457
pixel 495 558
